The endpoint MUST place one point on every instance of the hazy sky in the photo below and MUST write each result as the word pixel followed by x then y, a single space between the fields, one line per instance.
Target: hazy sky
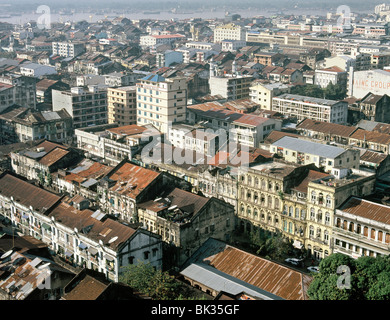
pixel 167 4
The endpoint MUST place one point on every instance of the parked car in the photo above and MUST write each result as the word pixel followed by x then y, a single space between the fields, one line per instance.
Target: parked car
pixel 294 261
pixel 313 269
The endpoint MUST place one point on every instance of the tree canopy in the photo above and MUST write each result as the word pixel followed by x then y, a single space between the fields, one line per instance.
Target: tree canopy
pixel 331 92
pixel 344 278
pixel 157 284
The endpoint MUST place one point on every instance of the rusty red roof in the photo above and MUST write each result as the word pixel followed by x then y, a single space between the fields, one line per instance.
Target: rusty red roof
pixel 131 179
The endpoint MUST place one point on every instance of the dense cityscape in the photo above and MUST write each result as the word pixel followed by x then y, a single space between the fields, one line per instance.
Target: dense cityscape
pixel 195 152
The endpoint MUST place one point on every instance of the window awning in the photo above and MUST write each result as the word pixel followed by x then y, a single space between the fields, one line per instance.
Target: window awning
pixel 46 226
pixel 92 250
pixel 297 244
pixel 68 253
pixel 109 258
pixel 82 245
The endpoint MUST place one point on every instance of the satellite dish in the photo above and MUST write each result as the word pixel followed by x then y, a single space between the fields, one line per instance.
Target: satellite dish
pixel 5 255
pixel 44 266
pixel 112 239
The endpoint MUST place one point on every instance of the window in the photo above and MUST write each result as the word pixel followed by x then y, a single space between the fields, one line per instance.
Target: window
pixel 328 201
pixel 312 214
pixel 327 218
pixel 313 196
pixel 146 255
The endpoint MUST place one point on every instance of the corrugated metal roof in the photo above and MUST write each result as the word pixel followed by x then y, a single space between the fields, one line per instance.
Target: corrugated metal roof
pixel 220 281
pixel 367 209
pixel 261 273
pixel 310 147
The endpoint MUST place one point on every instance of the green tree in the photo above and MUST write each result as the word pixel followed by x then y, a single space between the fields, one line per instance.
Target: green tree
pixel 275 247
pixel 325 283
pixel 156 284
pixel 335 92
pixel 309 90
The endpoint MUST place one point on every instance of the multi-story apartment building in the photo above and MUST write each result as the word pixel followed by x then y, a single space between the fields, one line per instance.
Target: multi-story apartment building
pixel 262 94
pixel 229 31
pixel 156 40
pixel 81 236
pixel 20 124
pixel 122 106
pixel 333 75
pixel 17 89
pixel 119 79
pixel 88 107
pixel 380 60
pixel 161 101
pixel 324 156
pixel 361 228
pixel 371 30
pixel 302 107
pixel 231 87
pixel 67 49
pixel 245 129
pixel 113 143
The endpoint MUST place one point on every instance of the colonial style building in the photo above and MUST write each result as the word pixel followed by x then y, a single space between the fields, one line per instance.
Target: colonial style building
pixel 79 235
pixel 298 201
pixel 186 220
pixel 362 228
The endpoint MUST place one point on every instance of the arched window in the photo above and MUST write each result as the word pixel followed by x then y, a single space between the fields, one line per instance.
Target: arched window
pixel 290 211
pixel 296 213
pixel 256 181
pixel 290 227
pixel 320 198
pixel 359 229
pixel 312 214
pixel 326 236
pixel 276 203
pixel 311 231
pixel 256 197
pixel 328 201
pixel 249 180
pixel 338 223
pixel 303 214
pixel 380 236
pixel 319 216
pixel 269 202
pixel 372 233
pixel 351 227
pixel 327 218
pixel 313 196
pixel 318 233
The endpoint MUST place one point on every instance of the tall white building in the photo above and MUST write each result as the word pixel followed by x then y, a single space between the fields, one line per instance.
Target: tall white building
pixel 161 101
pixel 302 107
pixel 67 49
pixel 229 31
